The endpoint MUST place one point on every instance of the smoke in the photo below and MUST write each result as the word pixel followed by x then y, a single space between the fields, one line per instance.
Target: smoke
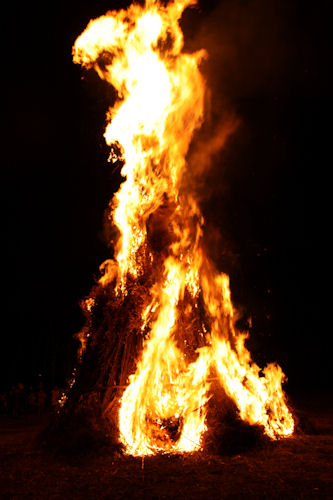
pixel 239 156
pixel 247 70
pixel 247 46
pixel 248 43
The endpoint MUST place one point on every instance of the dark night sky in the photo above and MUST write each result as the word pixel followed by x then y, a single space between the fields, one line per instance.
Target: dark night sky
pixel 269 64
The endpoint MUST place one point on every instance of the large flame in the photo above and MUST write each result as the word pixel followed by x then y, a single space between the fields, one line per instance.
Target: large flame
pixel 160 104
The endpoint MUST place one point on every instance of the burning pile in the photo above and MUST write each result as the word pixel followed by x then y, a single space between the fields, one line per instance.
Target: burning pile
pixel 160 321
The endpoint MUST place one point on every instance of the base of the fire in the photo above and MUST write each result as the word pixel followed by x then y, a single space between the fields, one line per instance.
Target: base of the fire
pixel 86 431
pixel 87 419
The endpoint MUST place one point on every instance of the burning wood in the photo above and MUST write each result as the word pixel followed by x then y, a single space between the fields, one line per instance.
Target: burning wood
pixel 161 322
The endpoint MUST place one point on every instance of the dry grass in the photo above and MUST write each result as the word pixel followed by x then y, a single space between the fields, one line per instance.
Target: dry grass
pixel 296 468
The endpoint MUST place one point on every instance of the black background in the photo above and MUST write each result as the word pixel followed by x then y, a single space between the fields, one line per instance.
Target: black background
pixel 267 193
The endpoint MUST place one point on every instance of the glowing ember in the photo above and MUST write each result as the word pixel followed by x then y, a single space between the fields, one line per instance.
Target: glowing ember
pixel 189 322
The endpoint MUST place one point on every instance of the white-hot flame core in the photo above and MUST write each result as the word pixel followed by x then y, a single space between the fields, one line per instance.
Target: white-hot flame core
pixel 161 103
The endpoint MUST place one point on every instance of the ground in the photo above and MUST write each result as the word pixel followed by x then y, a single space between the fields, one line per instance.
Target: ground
pixel 298 467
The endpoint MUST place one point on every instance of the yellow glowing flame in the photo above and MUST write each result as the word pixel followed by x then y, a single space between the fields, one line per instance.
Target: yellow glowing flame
pixel 161 103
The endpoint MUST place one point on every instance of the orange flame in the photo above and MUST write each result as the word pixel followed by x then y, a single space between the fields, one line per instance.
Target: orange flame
pixel 160 104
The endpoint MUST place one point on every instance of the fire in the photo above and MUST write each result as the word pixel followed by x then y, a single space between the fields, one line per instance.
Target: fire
pixel 189 325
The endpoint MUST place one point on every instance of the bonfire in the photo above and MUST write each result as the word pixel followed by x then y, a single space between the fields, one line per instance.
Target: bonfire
pixel 160 343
